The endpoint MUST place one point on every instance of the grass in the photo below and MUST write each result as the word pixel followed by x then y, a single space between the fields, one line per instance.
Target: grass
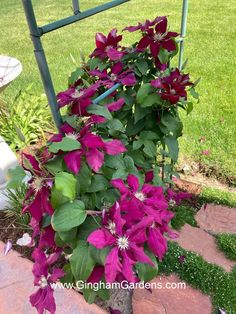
pixel 217 196
pixel 210 279
pixel 227 243
pixel 210 47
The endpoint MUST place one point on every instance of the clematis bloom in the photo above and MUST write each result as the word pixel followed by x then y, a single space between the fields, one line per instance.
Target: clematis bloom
pixel 107 47
pixel 125 243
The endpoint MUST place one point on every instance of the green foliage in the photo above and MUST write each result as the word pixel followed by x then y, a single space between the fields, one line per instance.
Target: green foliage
pixel 25 120
pixel 217 196
pixel 66 145
pixel 208 278
pixel 183 215
pixel 227 244
pixel 15 177
pixel 15 197
pixel 65 183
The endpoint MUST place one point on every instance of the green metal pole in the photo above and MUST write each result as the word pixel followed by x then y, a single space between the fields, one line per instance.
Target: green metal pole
pixel 41 61
pixel 183 32
pixel 76 8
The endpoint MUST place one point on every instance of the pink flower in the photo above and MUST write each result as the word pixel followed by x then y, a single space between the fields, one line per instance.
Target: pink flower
pixel 155 38
pixel 172 87
pixel 125 243
pixel 79 100
pixel 43 298
pixel 107 47
pixel 115 75
pixel 93 148
pixel 39 189
pixel 175 198
pixel 144 27
pixel 206 152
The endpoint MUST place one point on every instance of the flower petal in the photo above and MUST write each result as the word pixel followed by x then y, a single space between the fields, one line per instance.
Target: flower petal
pixel 133 182
pixel 112 265
pixel 157 243
pixel 95 159
pixel 114 147
pixel 101 238
pixel 73 160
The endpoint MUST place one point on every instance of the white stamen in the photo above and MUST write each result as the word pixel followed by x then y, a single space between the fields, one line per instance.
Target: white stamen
pixel 73 135
pixel 172 202
pixel 113 77
pixel 77 94
pixel 140 196
pixel 43 282
pixel 37 184
pixel 111 227
pixel 123 243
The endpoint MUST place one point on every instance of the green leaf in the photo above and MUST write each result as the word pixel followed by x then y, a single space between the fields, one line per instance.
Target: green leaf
pixel 145 271
pixel 163 56
pixel 55 165
pixel 81 261
pixel 149 135
pixel 16 176
pixel 151 100
pixel 150 149
pixel 100 111
pixel 114 162
pixel 142 66
pixel 98 183
pixel 75 75
pixel 66 184
pixel 137 144
pixel 68 236
pixel 99 255
pixel 68 216
pixel 57 198
pixel 89 225
pixel 143 92
pixel 133 128
pixel 170 123
pixel 173 147
pixel 115 126
pixel 83 179
pixel 140 113
pixel 66 145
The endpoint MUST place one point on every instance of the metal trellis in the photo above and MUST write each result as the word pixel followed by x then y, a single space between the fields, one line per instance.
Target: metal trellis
pixel 37 32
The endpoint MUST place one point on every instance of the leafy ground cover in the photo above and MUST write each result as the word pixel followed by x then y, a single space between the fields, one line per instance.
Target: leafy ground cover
pixel 209 48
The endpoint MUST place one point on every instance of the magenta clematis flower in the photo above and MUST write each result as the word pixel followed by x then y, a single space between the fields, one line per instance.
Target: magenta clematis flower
pixel 172 87
pixel 125 243
pixel 107 47
pixel 39 189
pixel 143 27
pixel 78 100
pixel 93 148
pixel 157 38
pixel 116 75
pixel 43 298
pixel 175 198
pixel 145 197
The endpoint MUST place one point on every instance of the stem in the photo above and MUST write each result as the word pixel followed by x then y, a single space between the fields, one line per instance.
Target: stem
pixel 93 212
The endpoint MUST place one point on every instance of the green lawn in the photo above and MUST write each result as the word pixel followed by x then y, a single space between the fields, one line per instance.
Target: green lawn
pixel 210 48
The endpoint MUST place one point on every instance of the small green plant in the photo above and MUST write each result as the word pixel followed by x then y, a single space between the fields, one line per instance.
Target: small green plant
pixel 14 208
pixel 217 196
pixel 25 120
pixel 227 243
pixel 183 215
